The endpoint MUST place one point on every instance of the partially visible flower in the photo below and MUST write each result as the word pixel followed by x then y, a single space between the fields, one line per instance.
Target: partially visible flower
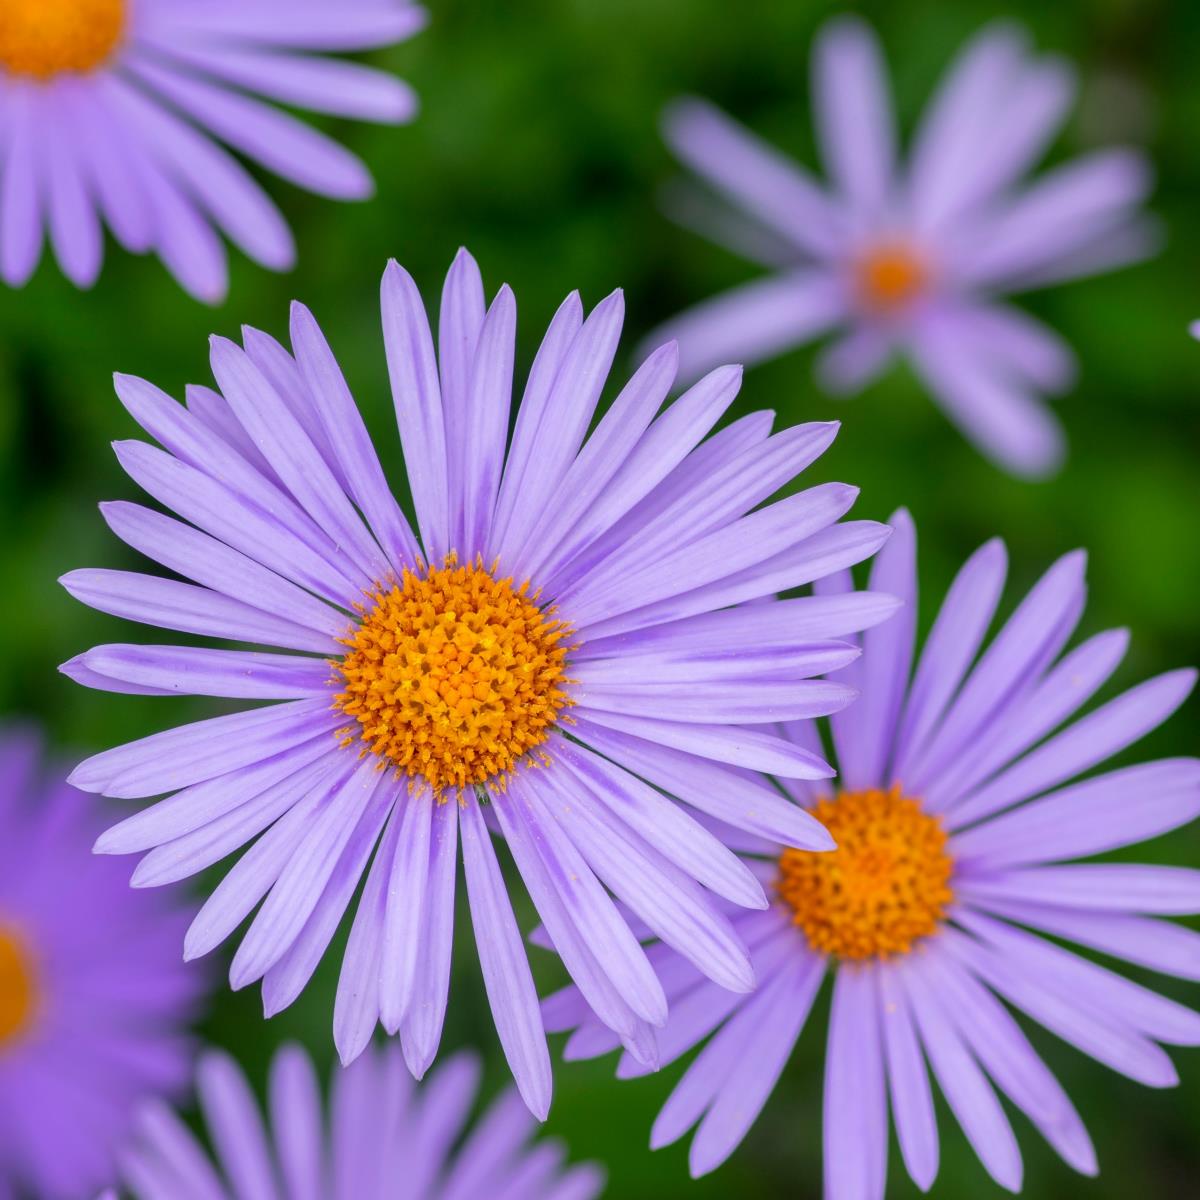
pixel 960 807
pixel 913 258
pixel 94 1001
pixel 583 621
pixel 114 111
pixel 384 1138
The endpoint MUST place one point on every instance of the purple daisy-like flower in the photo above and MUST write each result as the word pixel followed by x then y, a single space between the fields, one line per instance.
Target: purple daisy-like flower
pixel 384 1137
pixel 959 813
pixel 114 113
pixel 578 627
pixel 914 258
pixel 94 1002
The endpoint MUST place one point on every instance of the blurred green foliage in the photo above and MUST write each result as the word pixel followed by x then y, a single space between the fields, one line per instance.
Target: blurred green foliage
pixel 538 148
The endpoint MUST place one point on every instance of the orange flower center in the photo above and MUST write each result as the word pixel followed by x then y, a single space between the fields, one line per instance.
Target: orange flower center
pixel 18 986
pixel 454 675
pixel 890 277
pixel 44 38
pixel 886 885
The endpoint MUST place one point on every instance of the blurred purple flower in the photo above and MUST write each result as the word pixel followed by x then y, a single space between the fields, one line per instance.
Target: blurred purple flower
pixel 94 1000
pixel 113 112
pixel 644 646
pixel 955 823
pixel 384 1138
pixel 912 257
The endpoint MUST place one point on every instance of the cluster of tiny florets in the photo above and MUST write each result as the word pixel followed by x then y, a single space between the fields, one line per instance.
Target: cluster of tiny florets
pixel 885 886
pixel 454 675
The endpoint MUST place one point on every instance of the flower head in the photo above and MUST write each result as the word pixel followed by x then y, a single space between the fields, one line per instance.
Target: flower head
pixel 119 113
pixel 914 257
pixel 94 1002
pixel 957 813
pixel 578 625
pixel 383 1138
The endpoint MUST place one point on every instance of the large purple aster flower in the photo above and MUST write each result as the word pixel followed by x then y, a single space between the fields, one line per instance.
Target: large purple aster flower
pixel 384 1138
pixel 577 626
pixel 94 1001
pixel 913 257
pixel 113 110
pixel 959 810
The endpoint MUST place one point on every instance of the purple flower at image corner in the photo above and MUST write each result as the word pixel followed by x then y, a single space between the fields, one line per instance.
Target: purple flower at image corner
pixel 114 113
pixel 94 1001
pixel 383 1137
pixel 913 257
pixel 958 816
pixel 578 649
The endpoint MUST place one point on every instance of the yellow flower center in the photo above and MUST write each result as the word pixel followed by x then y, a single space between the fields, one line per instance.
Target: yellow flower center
pixel 886 885
pixel 18 987
pixel 454 675
pixel 43 38
pixel 890 276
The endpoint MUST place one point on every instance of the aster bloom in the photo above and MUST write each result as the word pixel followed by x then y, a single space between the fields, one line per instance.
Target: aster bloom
pixel 958 813
pixel 117 112
pixel 94 1001
pixel 384 1138
pixel 914 258
pixel 571 631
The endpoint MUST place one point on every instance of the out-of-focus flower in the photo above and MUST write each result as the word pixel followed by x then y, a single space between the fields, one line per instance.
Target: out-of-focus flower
pixel 958 811
pixel 574 618
pixel 113 113
pixel 384 1138
pixel 94 1000
pixel 913 257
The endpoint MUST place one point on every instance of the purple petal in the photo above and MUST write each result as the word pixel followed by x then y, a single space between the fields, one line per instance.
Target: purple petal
pixel 405 913
pixel 422 1028
pixel 964 1085
pixel 853 112
pixel 236 1127
pixel 296 1119
pixel 506 974
pixel 199 671
pixel 743 801
pixel 277 141
pixel 1088 818
pixel 908 1081
pixel 755 321
pixel 1000 415
pixel 950 649
pixel 754 175
pixel 176 758
pixel 855 1122
pixel 412 369
pixel 780 1010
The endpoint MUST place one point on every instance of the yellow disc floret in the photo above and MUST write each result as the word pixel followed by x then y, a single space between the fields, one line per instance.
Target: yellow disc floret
pixel 890 277
pixel 18 987
pixel 886 885
pixel 453 675
pixel 43 38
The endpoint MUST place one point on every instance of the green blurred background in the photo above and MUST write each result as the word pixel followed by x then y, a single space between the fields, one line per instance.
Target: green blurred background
pixel 538 148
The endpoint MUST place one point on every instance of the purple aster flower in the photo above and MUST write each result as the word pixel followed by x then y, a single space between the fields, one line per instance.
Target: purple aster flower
pixel 577 627
pixel 114 112
pixel 959 811
pixel 94 1001
pixel 913 258
pixel 384 1138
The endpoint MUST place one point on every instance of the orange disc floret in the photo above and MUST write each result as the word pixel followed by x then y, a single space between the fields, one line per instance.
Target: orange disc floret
pixel 453 675
pixel 890 277
pixel 44 38
pixel 885 886
pixel 18 987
